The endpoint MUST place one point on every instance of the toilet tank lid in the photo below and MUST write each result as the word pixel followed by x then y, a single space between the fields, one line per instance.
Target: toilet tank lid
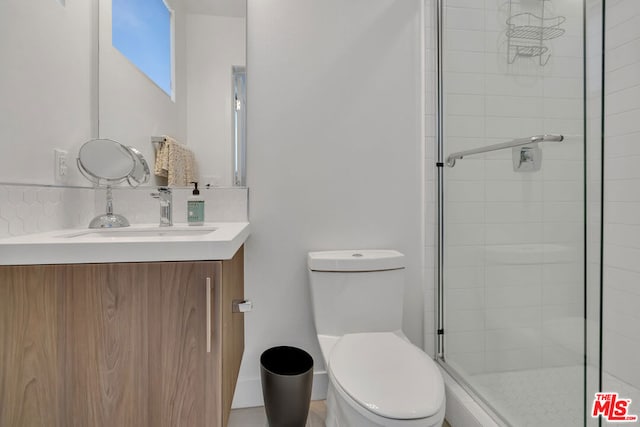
pixel 355 260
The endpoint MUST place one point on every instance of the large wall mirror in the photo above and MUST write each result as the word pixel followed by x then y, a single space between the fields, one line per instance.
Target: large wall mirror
pixel 194 88
pixel 48 87
pixel 63 82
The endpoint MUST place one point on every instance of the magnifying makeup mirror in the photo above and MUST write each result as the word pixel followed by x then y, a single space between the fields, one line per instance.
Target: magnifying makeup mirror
pixel 140 173
pixel 105 162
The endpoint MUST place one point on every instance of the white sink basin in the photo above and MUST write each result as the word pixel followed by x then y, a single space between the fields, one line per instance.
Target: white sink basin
pixel 139 243
pixel 120 233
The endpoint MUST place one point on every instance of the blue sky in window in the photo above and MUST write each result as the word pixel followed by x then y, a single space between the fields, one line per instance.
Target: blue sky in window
pixel 141 30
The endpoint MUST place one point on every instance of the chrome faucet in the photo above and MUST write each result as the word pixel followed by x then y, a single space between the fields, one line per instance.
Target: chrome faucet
pixel 164 195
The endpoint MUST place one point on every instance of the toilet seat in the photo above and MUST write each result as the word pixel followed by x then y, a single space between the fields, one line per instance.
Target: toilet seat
pixel 387 375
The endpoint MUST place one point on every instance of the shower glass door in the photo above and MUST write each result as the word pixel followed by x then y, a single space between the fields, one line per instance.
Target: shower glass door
pixel 513 206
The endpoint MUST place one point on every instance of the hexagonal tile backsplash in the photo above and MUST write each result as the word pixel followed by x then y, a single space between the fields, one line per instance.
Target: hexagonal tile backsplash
pixel 137 205
pixel 26 209
pixel 32 209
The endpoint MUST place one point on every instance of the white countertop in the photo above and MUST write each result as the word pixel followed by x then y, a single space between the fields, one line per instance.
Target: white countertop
pixel 138 243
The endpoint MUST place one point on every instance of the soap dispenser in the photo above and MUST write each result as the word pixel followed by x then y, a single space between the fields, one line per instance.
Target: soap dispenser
pixel 195 207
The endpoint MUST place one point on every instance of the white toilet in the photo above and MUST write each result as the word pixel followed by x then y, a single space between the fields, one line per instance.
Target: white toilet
pixel 376 376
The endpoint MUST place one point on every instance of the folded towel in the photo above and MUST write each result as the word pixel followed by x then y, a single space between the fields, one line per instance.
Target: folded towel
pixel 175 162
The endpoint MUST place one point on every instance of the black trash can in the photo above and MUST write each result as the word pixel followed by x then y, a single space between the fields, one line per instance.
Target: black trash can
pixel 287 377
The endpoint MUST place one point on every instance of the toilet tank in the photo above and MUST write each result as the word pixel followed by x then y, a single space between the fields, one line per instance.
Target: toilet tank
pixel 356 291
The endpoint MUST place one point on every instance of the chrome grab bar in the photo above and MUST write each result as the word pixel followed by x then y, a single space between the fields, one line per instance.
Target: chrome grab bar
pixel 451 159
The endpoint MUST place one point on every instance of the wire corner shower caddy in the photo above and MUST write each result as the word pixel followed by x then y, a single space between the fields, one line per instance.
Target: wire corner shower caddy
pixel 528 32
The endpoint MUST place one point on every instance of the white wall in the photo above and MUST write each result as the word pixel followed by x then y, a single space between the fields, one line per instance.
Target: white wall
pixel 214 45
pixel 621 318
pixel 47 82
pixel 334 157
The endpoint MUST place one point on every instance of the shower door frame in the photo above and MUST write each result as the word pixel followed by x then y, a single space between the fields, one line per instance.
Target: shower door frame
pixel 440 165
pixel 440 229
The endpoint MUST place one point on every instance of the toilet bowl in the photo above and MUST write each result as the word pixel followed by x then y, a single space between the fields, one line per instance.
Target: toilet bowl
pixel 377 377
pixel 381 379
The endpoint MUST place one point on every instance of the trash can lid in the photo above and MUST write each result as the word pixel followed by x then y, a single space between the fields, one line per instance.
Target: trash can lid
pixel 285 360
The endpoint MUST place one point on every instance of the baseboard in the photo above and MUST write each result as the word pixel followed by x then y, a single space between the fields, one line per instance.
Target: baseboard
pixel 249 391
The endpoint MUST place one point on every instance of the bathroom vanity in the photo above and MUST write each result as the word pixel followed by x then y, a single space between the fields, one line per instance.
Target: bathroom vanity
pixel 135 343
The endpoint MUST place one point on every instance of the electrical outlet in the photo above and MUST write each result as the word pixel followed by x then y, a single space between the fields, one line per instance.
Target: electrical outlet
pixel 60 167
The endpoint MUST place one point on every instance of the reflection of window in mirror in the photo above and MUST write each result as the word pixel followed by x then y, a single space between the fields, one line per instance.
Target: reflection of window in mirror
pixel 142 30
pixel 239 124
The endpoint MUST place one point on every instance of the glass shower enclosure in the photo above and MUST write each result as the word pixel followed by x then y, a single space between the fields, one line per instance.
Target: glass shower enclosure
pixel 512 179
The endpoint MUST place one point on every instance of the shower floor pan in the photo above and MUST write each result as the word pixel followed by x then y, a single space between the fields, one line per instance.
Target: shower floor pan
pixel 531 397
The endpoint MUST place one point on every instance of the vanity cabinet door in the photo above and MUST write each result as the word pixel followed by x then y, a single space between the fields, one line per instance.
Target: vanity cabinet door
pixel 106 368
pixel 181 369
pixel 196 341
pixel 136 336
pixel 127 345
pixel 31 346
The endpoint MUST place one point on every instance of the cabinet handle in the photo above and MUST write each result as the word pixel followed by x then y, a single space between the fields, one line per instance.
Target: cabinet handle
pixel 208 288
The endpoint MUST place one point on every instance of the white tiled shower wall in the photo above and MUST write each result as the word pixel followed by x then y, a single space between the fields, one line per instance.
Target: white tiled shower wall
pixel 621 316
pixel 519 316
pixel 26 209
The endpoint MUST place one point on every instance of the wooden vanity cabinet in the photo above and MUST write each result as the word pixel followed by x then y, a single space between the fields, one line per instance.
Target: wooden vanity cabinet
pixel 120 344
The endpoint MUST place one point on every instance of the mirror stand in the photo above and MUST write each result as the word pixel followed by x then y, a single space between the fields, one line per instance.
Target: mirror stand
pixel 109 219
pixel 106 162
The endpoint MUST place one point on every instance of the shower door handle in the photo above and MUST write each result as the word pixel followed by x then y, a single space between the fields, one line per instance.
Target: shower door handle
pixel 451 159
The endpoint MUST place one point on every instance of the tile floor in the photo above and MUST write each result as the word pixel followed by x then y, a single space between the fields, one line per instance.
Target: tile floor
pixel 255 417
